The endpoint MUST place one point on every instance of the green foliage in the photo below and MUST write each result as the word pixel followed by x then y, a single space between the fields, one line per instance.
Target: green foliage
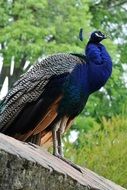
pixel 111 17
pixel 30 29
pixel 102 148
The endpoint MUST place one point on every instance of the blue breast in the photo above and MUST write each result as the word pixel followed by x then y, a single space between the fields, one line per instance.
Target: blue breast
pixel 75 90
pixel 85 79
pixel 100 66
pixel 89 77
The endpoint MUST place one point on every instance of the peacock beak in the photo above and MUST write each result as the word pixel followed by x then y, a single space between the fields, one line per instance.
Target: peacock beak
pixel 105 37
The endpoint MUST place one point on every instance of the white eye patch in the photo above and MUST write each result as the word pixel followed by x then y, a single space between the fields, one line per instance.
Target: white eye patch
pixel 98 35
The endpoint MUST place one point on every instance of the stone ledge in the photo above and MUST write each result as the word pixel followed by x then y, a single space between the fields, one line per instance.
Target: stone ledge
pixel 29 167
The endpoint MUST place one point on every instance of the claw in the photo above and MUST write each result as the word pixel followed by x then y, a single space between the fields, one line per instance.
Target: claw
pixel 70 163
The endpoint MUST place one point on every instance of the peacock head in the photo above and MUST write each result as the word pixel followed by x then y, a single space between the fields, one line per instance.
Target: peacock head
pixel 97 37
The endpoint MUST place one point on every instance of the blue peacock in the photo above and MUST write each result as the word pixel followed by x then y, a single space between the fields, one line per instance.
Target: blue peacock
pixel 43 103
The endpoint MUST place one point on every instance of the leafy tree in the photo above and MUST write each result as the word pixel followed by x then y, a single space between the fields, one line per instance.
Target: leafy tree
pixel 101 143
pixel 102 148
pixel 29 30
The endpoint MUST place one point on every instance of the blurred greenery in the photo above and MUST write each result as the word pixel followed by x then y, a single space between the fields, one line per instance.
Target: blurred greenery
pixel 29 30
pixel 102 148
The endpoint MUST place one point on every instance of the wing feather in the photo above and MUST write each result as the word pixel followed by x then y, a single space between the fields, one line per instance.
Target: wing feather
pixel 32 84
pixel 46 120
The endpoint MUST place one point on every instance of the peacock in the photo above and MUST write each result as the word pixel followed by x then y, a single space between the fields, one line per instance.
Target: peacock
pixel 43 103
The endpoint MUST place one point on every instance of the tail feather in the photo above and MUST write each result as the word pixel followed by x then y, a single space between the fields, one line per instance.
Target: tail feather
pixel 35 139
pixel 46 138
pixel 46 120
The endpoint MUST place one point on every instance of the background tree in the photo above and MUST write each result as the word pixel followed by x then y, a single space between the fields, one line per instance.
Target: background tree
pixel 101 137
pixel 30 30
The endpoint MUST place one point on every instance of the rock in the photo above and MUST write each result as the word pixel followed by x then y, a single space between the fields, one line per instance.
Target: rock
pixel 26 166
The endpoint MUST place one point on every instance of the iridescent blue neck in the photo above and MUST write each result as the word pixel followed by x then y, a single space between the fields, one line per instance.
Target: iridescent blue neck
pixel 88 77
pixel 100 65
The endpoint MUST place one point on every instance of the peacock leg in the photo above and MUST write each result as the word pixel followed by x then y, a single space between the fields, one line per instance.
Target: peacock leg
pixel 60 133
pixel 59 138
pixel 55 139
pixel 57 142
